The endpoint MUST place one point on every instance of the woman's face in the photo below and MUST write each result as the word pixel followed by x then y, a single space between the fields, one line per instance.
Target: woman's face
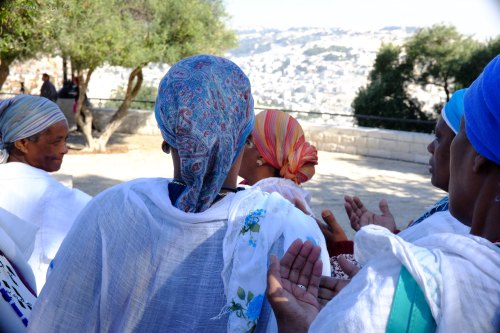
pixel 462 179
pixel 439 161
pixel 48 151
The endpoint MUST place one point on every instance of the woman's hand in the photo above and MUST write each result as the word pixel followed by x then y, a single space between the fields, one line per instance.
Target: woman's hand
pixel 293 285
pixel 359 216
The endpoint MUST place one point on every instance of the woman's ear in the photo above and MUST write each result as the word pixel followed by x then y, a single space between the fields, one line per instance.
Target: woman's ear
pixel 22 145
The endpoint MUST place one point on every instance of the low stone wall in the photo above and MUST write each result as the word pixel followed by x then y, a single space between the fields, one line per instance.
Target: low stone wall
pixel 397 145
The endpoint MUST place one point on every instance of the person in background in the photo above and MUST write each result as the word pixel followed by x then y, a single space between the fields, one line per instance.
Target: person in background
pixel 185 254
pixel 33 132
pixel 445 282
pixel 48 90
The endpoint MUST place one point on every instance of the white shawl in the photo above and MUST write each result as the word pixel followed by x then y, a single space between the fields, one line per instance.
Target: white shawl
pixel 36 197
pixel 458 273
pixel 135 263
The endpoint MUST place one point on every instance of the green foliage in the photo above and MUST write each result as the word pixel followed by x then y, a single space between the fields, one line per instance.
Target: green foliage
pixel 437 53
pixel 89 32
pixel 20 34
pixel 386 96
pixel 470 69
pixel 438 56
pixel 147 93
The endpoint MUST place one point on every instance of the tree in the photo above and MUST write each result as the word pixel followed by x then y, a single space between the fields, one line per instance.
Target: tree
pixel 473 67
pixel 132 33
pixel 166 31
pixel 437 54
pixel 21 36
pixel 385 96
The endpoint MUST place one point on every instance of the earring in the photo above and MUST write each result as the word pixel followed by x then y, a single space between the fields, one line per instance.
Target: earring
pixel 260 162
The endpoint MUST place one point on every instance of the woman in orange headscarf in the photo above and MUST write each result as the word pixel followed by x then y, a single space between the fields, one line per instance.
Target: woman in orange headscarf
pixel 278 158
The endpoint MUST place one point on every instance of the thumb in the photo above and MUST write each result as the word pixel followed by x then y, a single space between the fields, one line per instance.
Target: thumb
pixel 335 227
pixel 384 208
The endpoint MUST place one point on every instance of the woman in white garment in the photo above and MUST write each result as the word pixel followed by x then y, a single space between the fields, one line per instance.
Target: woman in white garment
pixel 33 132
pixel 277 158
pixel 186 254
pixel 445 282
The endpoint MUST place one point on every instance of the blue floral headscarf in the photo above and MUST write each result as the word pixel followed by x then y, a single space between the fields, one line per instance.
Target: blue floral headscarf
pixel 204 110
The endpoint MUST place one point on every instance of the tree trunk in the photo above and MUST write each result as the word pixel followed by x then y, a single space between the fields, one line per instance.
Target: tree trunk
pixel 83 116
pixel 4 71
pixel 446 90
pixel 134 85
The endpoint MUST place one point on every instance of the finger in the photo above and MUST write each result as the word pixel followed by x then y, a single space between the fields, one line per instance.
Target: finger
pixel 325 294
pixel 329 218
pixel 322 302
pixel 353 218
pixel 300 262
pixel 289 257
pixel 347 266
pixel 307 276
pixel 384 207
pixel 359 204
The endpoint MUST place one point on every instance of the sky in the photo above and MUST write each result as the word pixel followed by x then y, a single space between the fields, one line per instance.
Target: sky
pixel 477 18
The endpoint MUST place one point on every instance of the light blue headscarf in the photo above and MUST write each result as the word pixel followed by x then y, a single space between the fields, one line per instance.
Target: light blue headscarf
pixel 453 110
pixel 23 116
pixel 204 110
pixel 482 112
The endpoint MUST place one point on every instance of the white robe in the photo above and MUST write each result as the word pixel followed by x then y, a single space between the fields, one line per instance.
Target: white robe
pixel 288 189
pixel 36 197
pixel 135 263
pixel 458 273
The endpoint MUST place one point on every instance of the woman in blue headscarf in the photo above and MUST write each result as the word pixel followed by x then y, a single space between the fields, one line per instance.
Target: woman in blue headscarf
pixel 33 133
pixel 183 254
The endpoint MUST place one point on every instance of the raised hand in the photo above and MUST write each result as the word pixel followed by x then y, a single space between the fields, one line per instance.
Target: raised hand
pixel 359 216
pixel 292 288
pixel 332 231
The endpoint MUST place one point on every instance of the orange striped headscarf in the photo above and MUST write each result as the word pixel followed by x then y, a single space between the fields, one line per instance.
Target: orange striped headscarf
pixel 280 141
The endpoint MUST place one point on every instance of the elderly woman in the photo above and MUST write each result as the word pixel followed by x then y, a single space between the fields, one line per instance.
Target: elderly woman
pixel 184 254
pixel 33 132
pixel 441 281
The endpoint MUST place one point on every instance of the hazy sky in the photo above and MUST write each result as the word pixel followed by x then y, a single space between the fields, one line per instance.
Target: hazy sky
pixel 480 18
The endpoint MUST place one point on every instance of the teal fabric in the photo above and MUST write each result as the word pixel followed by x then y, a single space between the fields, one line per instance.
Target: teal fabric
pixel 410 312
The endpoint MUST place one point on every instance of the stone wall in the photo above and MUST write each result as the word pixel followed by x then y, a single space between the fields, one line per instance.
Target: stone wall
pixel 396 145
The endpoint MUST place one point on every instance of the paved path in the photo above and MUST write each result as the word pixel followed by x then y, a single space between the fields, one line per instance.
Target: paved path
pixel 405 185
